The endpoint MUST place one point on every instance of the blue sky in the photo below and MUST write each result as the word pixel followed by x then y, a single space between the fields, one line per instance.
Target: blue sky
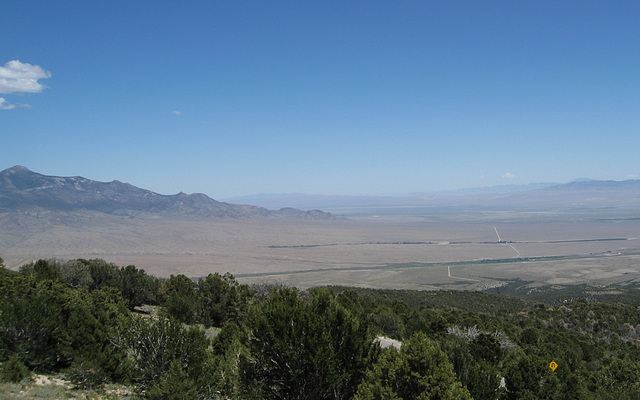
pixel 232 98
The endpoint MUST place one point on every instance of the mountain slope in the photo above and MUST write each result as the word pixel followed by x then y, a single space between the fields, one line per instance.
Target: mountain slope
pixel 22 189
pixel 583 193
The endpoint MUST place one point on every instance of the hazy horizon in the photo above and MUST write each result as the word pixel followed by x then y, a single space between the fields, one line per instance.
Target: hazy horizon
pixel 242 98
pixel 462 190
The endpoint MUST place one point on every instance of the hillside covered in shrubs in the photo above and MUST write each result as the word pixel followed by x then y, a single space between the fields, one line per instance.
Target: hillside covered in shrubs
pixel 95 323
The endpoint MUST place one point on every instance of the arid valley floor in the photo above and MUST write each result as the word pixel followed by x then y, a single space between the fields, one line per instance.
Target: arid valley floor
pixel 409 251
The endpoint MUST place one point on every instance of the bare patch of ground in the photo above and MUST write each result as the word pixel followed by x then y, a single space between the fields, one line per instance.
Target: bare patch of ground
pixel 50 387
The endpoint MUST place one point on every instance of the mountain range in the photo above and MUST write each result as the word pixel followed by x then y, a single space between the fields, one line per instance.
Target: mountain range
pixel 45 216
pixel 24 190
pixel 579 194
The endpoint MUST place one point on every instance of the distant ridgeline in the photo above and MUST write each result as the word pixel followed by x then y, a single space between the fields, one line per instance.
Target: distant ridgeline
pixel 578 195
pixel 21 189
pixel 97 323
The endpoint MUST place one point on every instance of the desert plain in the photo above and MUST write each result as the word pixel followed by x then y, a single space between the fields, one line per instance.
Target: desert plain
pixel 414 249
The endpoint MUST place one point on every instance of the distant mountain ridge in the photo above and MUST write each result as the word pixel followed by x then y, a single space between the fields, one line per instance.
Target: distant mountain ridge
pixel 500 189
pixel 585 193
pixel 22 189
pixel 578 193
pixel 592 184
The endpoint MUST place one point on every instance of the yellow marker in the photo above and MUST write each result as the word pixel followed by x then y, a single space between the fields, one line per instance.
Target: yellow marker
pixel 553 365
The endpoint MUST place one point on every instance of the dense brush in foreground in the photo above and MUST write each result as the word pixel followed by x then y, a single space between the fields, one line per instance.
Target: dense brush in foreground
pixel 96 324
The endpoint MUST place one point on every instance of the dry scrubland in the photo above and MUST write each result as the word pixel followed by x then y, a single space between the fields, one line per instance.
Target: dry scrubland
pixel 389 251
pixel 51 388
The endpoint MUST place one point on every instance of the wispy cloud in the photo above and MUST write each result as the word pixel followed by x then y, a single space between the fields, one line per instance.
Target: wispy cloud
pixel 19 77
pixel 4 104
pixel 176 112
pixel 633 176
pixel 508 175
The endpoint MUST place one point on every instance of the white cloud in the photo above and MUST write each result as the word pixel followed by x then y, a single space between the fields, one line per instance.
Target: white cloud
pixel 176 112
pixel 508 175
pixel 19 77
pixel 4 104
pixel 633 176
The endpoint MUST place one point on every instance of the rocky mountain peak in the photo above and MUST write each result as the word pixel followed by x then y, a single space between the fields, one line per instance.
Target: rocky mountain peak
pixel 23 189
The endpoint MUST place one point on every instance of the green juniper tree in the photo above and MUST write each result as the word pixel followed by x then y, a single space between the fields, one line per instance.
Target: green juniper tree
pixel 420 370
pixel 300 350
